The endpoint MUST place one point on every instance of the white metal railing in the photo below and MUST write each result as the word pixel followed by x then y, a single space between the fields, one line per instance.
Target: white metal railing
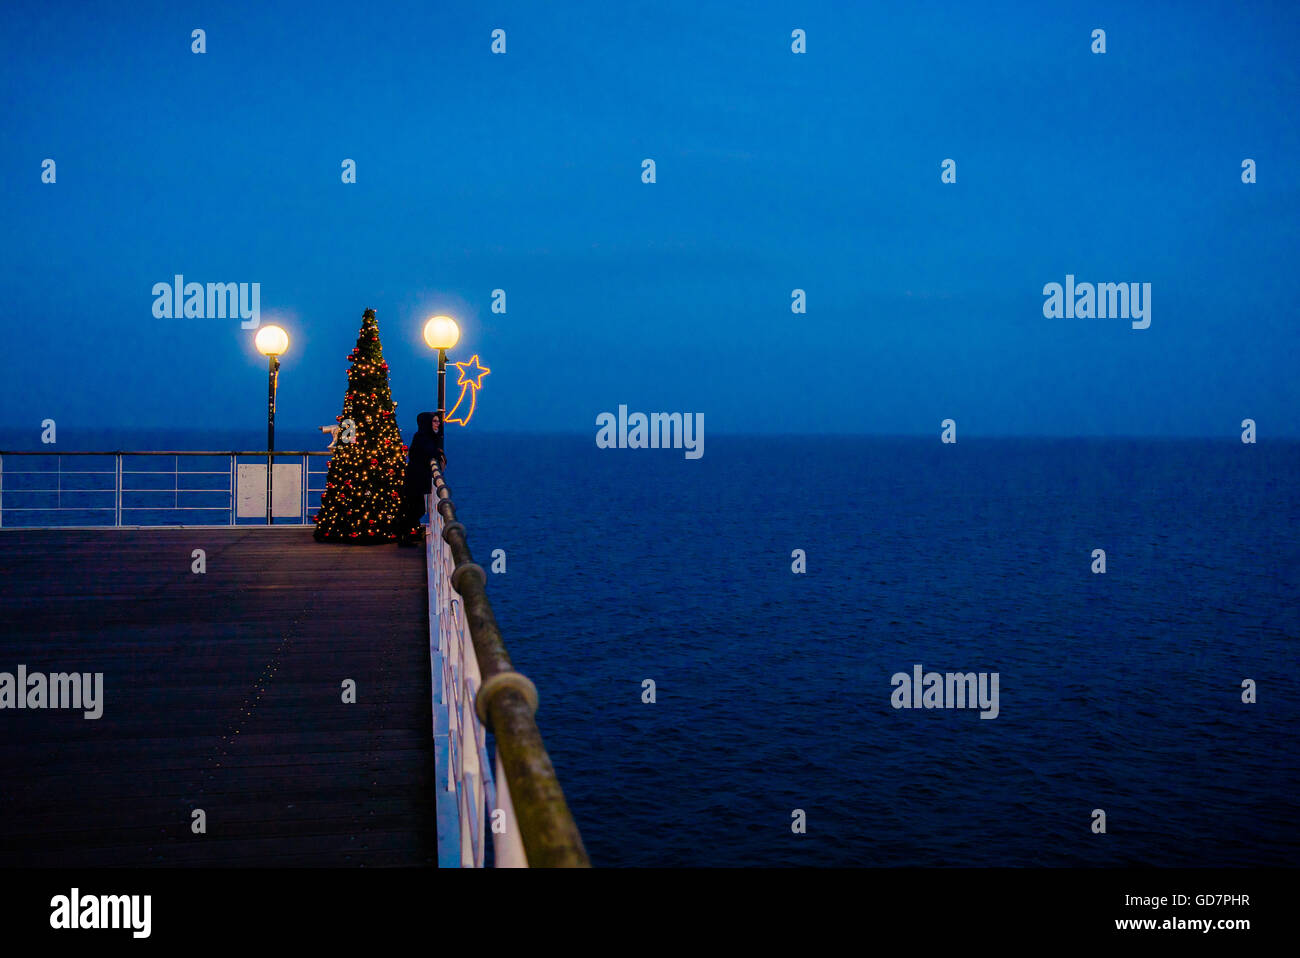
pixel 113 489
pixel 471 800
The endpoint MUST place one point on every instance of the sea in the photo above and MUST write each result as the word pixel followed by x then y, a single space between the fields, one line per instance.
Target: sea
pixel 715 642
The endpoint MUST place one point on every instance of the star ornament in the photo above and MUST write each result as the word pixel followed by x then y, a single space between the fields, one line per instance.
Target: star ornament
pixel 469 382
pixel 477 376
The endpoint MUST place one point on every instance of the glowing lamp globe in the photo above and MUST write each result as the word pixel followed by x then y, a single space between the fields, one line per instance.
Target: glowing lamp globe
pixel 271 341
pixel 441 332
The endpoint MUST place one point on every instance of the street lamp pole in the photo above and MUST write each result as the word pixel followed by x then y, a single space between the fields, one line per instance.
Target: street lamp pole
pixel 271 341
pixel 441 333
pixel 270 431
pixel 442 386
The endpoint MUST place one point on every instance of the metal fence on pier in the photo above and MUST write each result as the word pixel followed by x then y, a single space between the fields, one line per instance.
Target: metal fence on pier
pixel 119 488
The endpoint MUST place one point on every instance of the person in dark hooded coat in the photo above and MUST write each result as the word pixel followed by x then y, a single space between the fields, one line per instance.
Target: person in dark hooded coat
pixel 425 449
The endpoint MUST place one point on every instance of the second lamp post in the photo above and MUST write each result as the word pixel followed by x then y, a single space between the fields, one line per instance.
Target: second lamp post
pixel 271 341
pixel 441 333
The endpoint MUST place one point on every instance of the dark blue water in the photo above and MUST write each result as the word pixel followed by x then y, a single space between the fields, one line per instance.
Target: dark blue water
pixel 1119 691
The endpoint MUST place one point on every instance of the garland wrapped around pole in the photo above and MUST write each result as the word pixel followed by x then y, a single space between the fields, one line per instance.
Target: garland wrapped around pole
pixel 363 485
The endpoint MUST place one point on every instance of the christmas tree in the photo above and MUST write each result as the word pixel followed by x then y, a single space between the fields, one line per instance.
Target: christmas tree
pixel 363 485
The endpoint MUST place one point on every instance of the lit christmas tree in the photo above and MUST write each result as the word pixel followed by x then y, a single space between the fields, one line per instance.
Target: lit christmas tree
pixel 363 485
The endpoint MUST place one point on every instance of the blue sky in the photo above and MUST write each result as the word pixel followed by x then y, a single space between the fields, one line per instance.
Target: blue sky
pixel 775 171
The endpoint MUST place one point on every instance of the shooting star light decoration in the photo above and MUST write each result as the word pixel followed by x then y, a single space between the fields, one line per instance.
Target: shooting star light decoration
pixel 468 384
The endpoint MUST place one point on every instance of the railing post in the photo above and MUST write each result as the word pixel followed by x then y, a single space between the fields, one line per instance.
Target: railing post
pixel 507 849
pixel 117 485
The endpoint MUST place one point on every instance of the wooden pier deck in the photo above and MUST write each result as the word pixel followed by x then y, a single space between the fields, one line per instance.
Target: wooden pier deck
pixel 222 692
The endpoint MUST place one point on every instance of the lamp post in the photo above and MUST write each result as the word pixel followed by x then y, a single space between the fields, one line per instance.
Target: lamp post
pixel 441 333
pixel 271 341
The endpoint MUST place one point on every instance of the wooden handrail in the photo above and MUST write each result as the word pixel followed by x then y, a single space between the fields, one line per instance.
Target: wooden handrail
pixel 507 703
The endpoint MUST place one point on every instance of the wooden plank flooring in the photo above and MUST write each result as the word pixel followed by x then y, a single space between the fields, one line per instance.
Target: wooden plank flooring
pixel 222 691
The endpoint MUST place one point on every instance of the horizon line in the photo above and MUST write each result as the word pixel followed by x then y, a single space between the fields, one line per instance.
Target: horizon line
pixel 1233 436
